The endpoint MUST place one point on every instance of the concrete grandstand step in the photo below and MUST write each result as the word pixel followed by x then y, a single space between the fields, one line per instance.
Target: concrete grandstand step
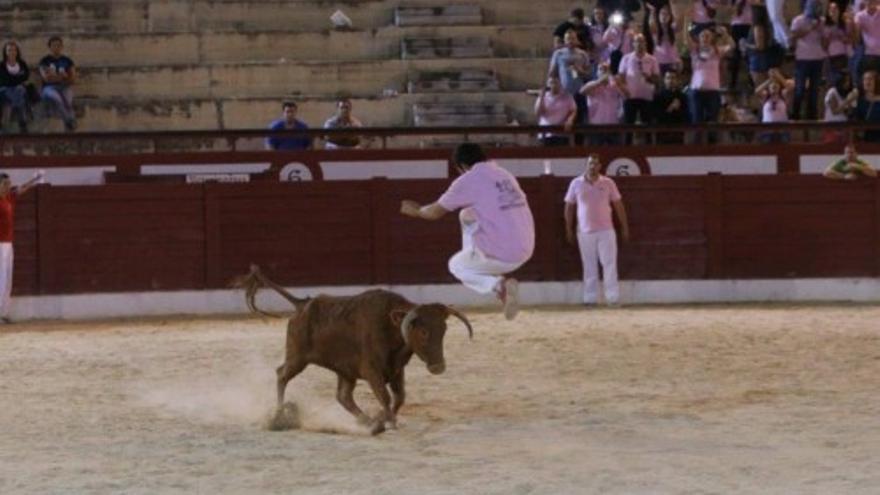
pixel 460 47
pixel 449 15
pixel 459 114
pixel 448 81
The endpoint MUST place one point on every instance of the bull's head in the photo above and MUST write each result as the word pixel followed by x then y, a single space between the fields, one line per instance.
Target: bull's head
pixel 423 328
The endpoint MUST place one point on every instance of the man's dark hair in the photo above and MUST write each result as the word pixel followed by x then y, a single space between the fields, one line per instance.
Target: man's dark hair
pixel 578 13
pixel 53 38
pixel 4 176
pixel 287 104
pixel 467 154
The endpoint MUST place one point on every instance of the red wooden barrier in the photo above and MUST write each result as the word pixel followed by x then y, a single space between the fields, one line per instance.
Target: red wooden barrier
pixel 142 237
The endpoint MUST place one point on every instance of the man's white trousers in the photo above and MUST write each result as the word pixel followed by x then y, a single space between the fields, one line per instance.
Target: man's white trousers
pixel 470 265
pixel 599 247
pixel 5 277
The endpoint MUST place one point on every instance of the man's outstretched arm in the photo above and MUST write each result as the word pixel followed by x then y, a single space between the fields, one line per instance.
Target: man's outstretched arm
pixel 432 211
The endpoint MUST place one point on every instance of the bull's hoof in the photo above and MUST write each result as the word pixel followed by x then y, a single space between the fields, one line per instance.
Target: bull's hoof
pixel 378 427
pixel 286 417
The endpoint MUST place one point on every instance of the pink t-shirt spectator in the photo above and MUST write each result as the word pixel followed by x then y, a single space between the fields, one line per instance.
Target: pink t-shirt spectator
pixel 701 14
pixel 506 229
pixel 637 71
pixel 809 46
pixel 838 41
pixel 604 104
pixel 593 201
pixel 666 52
pixel 706 67
pixel 557 108
pixel 870 27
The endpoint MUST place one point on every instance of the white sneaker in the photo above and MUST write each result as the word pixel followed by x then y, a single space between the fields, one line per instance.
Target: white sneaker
pixel 511 298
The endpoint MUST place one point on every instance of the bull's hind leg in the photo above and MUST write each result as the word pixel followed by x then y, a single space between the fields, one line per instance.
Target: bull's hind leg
pixel 285 373
pixel 345 396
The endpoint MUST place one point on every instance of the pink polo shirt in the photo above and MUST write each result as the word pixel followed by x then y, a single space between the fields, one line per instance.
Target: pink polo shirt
pixel 506 229
pixel 870 27
pixel 593 202
pixel 706 70
pixel 556 108
pixel 636 70
pixel 809 47
pixel 604 104
pixel 838 41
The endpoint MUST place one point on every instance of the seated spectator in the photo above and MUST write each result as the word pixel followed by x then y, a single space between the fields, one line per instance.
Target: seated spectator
pixel 555 108
pixel 809 38
pixel 342 119
pixel 868 107
pixel 14 74
pixel 850 167
pixel 704 96
pixel 574 23
pixel 774 94
pixel 840 100
pixel 572 66
pixel 288 121
pixel 58 73
pixel 670 108
pixel 604 100
pixel 734 113
pixel 638 73
pixel 660 34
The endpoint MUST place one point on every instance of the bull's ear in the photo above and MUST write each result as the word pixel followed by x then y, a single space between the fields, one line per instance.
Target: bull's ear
pixel 397 316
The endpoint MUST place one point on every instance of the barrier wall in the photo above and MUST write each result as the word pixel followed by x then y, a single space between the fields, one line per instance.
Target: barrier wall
pixel 160 237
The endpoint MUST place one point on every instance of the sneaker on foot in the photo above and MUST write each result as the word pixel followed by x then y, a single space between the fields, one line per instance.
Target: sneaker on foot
pixel 511 298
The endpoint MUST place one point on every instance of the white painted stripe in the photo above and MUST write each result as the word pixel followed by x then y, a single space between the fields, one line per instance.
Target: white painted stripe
pixel 394 169
pixel 701 165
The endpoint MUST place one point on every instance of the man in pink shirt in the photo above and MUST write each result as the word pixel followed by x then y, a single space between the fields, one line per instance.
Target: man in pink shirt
pixel 592 196
pixel 498 231
pixel 638 73
pixel 867 24
pixel 810 39
pixel 555 107
pixel 604 100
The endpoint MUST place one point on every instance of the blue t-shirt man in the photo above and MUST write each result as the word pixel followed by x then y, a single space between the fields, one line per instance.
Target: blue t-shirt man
pixel 288 122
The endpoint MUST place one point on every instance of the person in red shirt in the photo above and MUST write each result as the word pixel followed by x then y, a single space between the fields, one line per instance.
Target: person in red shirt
pixel 8 197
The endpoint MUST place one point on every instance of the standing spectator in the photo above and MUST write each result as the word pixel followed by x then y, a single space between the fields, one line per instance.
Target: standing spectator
pixel 761 48
pixel 555 108
pixel 838 29
pixel 774 94
pixel 14 74
pixel 599 25
pixel 638 73
pixel 588 204
pixel 867 25
pixel 704 97
pixel 840 100
pixel 572 66
pixel 574 23
pixel 498 230
pixel 868 109
pixel 343 119
pixel 8 197
pixel 740 28
pixel 618 38
pixel 604 99
pixel 849 167
pixel 670 108
pixel 809 38
pixel 288 122
pixel 58 73
pixel 661 38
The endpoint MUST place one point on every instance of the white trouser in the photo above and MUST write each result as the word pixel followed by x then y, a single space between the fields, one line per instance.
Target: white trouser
pixel 5 277
pixel 471 265
pixel 599 247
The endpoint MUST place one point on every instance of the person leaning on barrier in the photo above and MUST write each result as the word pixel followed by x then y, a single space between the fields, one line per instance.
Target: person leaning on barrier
pixel 850 167
pixel 555 107
pixel 288 121
pixel 342 119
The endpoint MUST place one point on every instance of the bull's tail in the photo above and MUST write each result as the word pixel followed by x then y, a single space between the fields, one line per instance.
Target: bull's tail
pixel 254 281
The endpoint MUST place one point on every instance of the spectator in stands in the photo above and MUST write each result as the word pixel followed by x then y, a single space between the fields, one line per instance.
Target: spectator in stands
pixel 572 66
pixel 588 204
pixel 703 15
pixel 670 108
pixel 867 26
pixel 623 7
pixel 288 121
pixel 604 100
pixel 809 38
pixel 14 75
pixel 849 167
pixel 740 29
pixel 555 107
pixel 840 100
pixel 638 73
pixel 58 73
pixel 343 119
pixel 705 88
pixel 838 29
pixel 618 38
pixel 599 24
pixel 497 226
pixel 661 38
pixel 574 23
pixel 868 108
pixel 774 94
pixel 761 48
pixel 8 197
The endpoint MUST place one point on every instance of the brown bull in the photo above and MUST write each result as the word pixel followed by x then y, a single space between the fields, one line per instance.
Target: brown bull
pixel 369 336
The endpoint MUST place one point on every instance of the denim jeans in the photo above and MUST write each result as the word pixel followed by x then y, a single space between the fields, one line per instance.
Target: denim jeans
pixel 804 71
pixel 61 99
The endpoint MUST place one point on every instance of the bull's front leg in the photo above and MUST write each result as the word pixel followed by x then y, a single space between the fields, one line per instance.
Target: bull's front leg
pixel 398 395
pixel 381 392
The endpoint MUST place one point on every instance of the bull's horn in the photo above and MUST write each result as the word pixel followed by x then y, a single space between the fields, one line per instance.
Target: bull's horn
pixel 406 324
pixel 456 313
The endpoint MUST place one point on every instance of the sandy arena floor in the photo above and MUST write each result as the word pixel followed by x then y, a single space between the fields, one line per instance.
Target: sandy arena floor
pixel 723 399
